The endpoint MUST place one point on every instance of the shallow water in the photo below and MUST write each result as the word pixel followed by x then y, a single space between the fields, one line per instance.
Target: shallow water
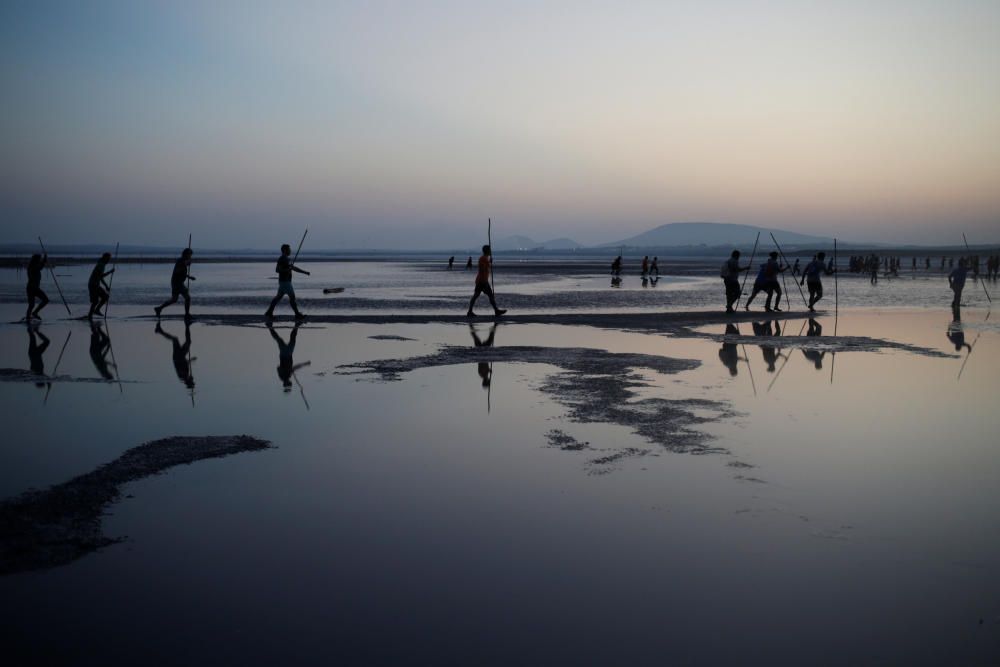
pixel 833 508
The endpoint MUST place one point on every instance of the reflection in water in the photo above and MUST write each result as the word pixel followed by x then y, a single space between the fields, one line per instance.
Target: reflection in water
pixel 286 356
pixel 100 345
pixel 36 351
pixel 812 354
pixel 728 354
pixel 769 330
pixel 956 334
pixel 485 367
pixel 616 281
pixel 181 355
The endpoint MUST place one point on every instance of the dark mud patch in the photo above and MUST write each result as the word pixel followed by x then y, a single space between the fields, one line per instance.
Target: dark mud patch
pixel 43 529
pixel 21 375
pixel 595 386
pixel 567 443
pixel 390 337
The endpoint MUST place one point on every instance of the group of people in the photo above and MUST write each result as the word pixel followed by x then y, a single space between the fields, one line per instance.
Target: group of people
pixel 767 280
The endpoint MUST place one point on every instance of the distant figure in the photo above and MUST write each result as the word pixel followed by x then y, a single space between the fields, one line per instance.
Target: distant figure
pixel 913 264
pixel 468 265
pixel 97 287
pixel 616 266
pixel 182 269
pixel 616 281
pixel 100 345
pixel 795 269
pixel 814 355
pixel 182 364
pixel 286 355
pixel 483 283
pixel 451 262
pixel 927 263
pixel 812 276
pixel 485 372
pixel 34 289
pixel 728 354
pixel 730 275
pixel 36 362
pixel 873 269
pixel 645 265
pixel 284 269
pixel 655 267
pixel 956 281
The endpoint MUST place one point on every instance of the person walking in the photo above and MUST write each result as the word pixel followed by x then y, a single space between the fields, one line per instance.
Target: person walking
pixel 812 278
pixel 284 269
pixel 34 288
pixel 730 275
pixel 96 286
pixel 956 281
pixel 178 286
pixel 483 283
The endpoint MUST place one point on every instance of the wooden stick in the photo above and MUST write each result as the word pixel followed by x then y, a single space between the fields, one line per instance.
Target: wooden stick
pixel 489 241
pixel 110 285
pixel 53 274
pixel 189 265
pixel 981 281
pixel 803 294
pixel 836 296
pixel 753 253
pixel 303 240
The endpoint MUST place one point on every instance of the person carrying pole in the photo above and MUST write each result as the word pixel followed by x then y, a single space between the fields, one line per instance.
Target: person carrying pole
pixel 483 283
pixel 99 290
pixel 284 269
pixel 812 278
pixel 730 274
pixel 956 281
pixel 34 288
pixel 181 274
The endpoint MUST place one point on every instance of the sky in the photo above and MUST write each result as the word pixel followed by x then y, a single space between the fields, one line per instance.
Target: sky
pixel 407 124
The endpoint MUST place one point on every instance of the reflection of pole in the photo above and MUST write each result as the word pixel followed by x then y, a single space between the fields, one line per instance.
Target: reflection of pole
pixel 489 389
pixel 111 284
pixel 970 259
pixel 743 286
pixel 302 390
pixel 803 294
pixel 111 348
pixel 833 362
pixel 971 348
pixel 785 362
pixel 746 358
pixel 55 371
pixel 53 274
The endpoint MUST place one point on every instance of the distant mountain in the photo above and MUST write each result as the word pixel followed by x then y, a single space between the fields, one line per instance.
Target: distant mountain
pixel 562 243
pixel 714 234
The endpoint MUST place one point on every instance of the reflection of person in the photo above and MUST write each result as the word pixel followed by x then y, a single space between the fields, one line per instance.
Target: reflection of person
pixel 97 287
pixel 485 372
pixel 182 268
pixel 655 268
pixel 728 354
pixel 182 365
pixel 286 356
pixel 956 334
pixel 769 352
pixel 284 269
pixel 956 281
pixel 483 283
pixel 100 345
pixel 813 355
pixel 34 288
pixel 36 351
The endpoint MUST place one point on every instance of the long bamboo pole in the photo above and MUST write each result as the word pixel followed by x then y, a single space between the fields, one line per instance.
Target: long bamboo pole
pixel 753 253
pixel 111 284
pixel 801 293
pixel 53 274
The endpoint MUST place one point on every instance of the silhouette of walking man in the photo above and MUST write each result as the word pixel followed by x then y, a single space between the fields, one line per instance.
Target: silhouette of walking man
pixel 483 284
pixel 182 273
pixel 34 289
pixel 812 278
pixel 730 274
pixel 956 281
pixel 97 287
pixel 284 269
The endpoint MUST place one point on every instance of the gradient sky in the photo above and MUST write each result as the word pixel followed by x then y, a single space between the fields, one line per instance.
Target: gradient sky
pixel 408 123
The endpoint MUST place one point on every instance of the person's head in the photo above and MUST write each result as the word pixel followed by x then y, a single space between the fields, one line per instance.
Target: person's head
pixel 736 254
pixel 106 257
pixel 773 255
pixel 486 250
pixel 821 256
pixel 286 249
pixel 186 254
pixel 36 258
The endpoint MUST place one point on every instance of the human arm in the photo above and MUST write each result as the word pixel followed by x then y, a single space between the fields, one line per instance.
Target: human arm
pixel 298 270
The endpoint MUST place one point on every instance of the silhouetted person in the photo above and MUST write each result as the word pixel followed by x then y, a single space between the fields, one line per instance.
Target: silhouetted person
pixel 178 286
pixel 284 269
pixel 795 269
pixel 645 265
pixel 655 267
pixel 616 266
pixel 34 289
pixel 451 262
pixel 771 270
pixel 956 281
pixel 36 351
pixel 100 345
pixel 814 355
pixel 97 287
pixel 286 356
pixel 485 372
pixel 812 277
pixel 483 284
pixel 730 275
pixel 468 264
pixel 181 359
pixel 728 354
